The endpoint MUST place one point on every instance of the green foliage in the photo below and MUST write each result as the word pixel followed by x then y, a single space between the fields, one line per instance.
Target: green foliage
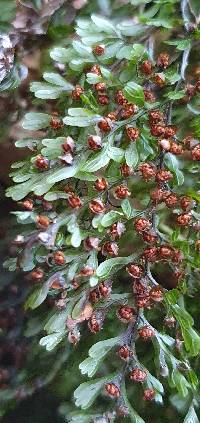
pixel 92 234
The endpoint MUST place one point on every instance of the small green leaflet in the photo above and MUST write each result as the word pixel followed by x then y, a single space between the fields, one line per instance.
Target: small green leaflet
pixel 191 340
pixel 97 161
pixel 134 93
pixel 124 52
pixel 103 24
pixel 80 418
pixel 172 76
pixel 180 382
pixel 165 23
pixel 55 86
pixel 62 55
pixel 34 121
pixel 85 117
pixel 92 78
pixel 175 95
pixel 172 163
pixel 37 297
pixel 135 418
pixel 63 173
pixel 51 341
pixel 10 264
pixel 57 322
pixel 190 336
pixel 180 44
pixel 128 29
pixel 191 416
pixel 131 155
pixel 184 318
pixel 116 154
pixel 143 147
pixel 87 392
pixel 195 123
pixel 96 354
pixel 111 50
pixel 139 2
pixel 128 209
pixel 83 50
pixel 110 218
pixel 106 268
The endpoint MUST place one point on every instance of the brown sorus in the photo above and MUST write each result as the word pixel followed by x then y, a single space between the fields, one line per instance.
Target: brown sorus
pixel 100 184
pixel 74 201
pixel 99 50
pixel 42 221
pixel 41 162
pixel 138 375
pixel 76 93
pixel 94 142
pixel 59 258
pixel 112 389
pixel 96 206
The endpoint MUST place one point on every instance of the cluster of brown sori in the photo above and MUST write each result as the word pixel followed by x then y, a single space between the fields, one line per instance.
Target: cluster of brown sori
pixel 146 292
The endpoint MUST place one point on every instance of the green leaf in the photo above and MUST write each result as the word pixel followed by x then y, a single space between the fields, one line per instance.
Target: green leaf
pixel 80 122
pixel 175 95
pixel 37 297
pixel 128 29
pixel 87 392
pixel 80 418
pixel 97 161
pixel 57 322
pixel 110 218
pixel 191 340
pixel 80 112
pixel 76 238
pixel 180 44
pixel 34 121
pixel 136 52
pixel 63 173
pixel 51 341
pixel 139 2
pixel 96 354
pixel 180 382
pixel 184 318
pixel 103 24
pixel 154 383
pixel 92 78
pixel 165 23
pixel 131 155
pixel 113 264
pixel 135 418
pixel 30 143
pixel 172 163
pixel 191 416
pixel 83 50
pixel 195 123
pixel 172 76
pixel 124 52
pixel 143 147
pixel 36 183
pixel 134 93
pixel 127 208
pixel 116 154
pixel 62 55
pixel 78 308
pixel 172 296
pixel 55 87
pixel 10 264
pixel 112 50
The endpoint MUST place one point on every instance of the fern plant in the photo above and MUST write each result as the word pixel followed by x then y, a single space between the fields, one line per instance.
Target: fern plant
pixel 110 197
